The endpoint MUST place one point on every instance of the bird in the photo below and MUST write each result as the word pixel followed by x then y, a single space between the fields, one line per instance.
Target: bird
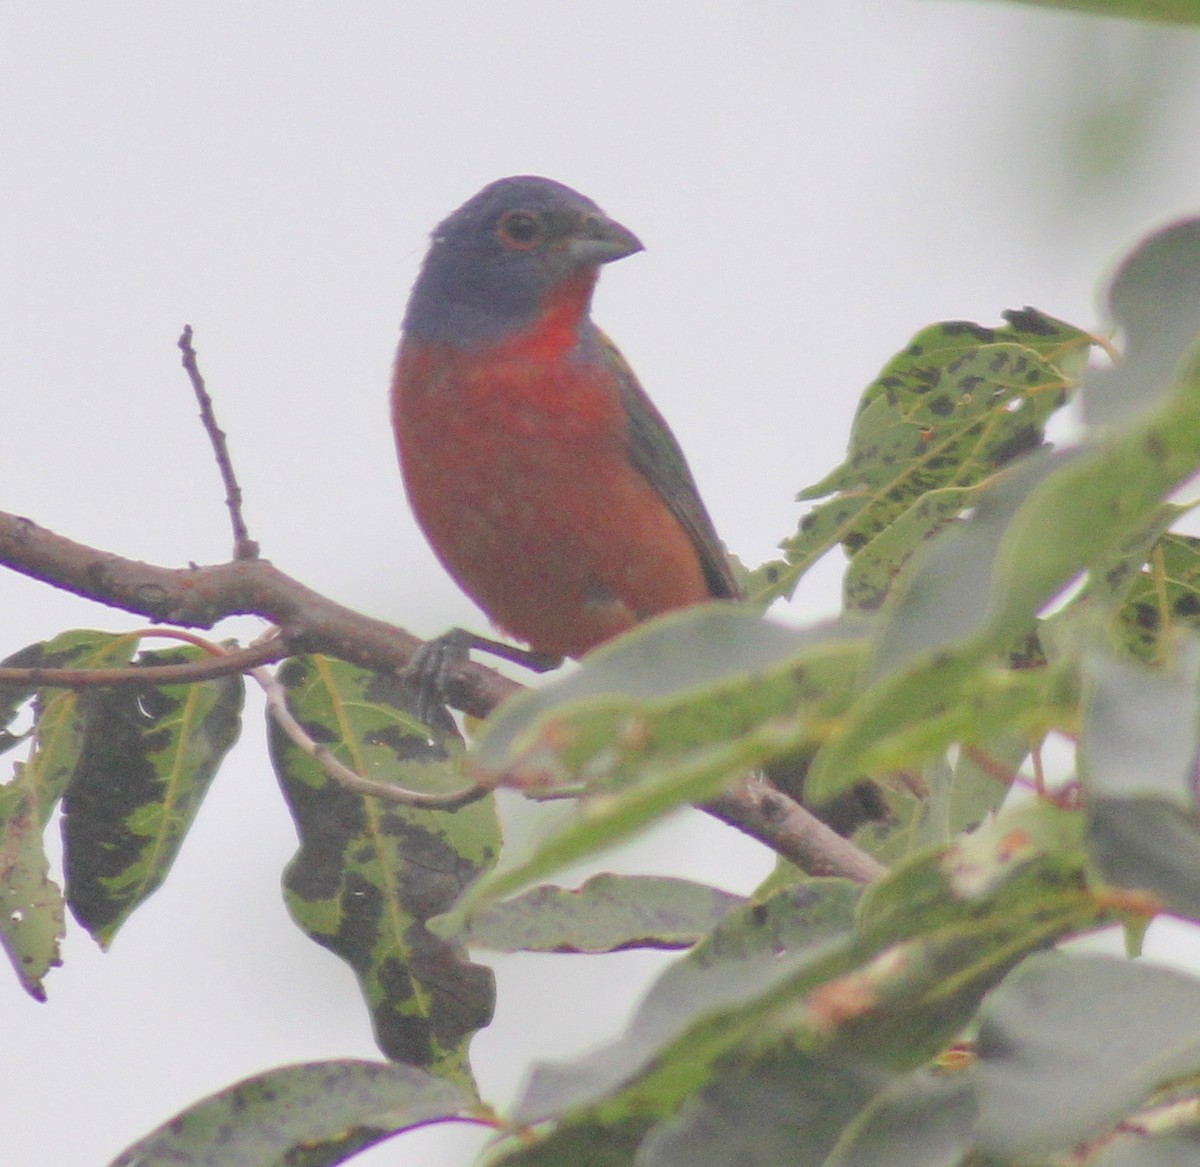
pixel 545 480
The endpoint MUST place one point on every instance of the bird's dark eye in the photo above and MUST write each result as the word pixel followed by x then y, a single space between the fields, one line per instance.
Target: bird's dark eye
pixel 520 229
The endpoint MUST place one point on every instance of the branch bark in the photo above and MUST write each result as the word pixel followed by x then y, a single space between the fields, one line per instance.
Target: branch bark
pixel 200 597
pixel 756 807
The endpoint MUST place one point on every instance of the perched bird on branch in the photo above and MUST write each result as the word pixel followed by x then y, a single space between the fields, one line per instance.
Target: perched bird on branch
pixel 546 481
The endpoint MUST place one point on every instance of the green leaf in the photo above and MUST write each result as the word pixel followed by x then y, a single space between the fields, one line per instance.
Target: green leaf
pixel 949 597
pixel 1148 844
pixel 751 950
pixel 1140 736
pixel 607 914
pixel 31 904
pixel 1162 599
pixel 950 923
pixel 1026 862
pixel 12 699
pixel 1116 578
pixel 1155 298
pixel 368 874
pixel 950 703
pixel 785 1108
pixel 310 1115
pixel 149 755
pixel 933 642
pixel 937 935
pixel 665 715
pixel 1167 11
pixel 1138 750
pixel 951 799
pixel 874 568
pixel 926 1119
pixel 981 780
pixel 1068 1045
pixel 981 584
pixel 956 405
pixel 1175 1148
pixel 783 986
pixel 58 719
pixel 586 1143
pixel 672 685
pixel 977 588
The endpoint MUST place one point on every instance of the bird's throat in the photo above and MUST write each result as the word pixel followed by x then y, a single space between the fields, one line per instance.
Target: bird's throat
pixel 557 327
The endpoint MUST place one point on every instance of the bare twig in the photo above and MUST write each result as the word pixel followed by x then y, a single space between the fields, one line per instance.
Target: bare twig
pixel 243 546
pixel 389 792
pixel 991 767
pixel 235 661
pixel 199 597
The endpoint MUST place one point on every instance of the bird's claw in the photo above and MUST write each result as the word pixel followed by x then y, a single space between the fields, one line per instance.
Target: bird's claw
pixel 435 668
pixel 430 675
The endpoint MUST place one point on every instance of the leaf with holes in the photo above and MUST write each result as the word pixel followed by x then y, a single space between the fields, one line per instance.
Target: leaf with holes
pixel 1162 598
pixel 958 404
pixel 31 904
pixel 977 588
pixel 875 566
pixel 369 874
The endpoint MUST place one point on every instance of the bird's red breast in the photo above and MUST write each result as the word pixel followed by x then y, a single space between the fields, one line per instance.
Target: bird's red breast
pixel 528 449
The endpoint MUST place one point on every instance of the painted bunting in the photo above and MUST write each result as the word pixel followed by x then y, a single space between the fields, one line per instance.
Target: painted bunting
pixel 546 481
pixel 544 478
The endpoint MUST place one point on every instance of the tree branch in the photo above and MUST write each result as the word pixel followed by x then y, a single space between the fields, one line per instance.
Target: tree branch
pixel 759 809
pixel 199 597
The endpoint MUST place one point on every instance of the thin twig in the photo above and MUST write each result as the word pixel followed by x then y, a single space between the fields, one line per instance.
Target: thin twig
pixel 324 757
pixel 234 661
pixel 1039 771
pixel 990 767
pixel 243 546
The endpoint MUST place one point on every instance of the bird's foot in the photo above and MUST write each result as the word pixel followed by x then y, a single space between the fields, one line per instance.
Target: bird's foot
pixel 438 664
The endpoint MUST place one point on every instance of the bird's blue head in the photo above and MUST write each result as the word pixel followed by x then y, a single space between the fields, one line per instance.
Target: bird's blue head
pixel 493 262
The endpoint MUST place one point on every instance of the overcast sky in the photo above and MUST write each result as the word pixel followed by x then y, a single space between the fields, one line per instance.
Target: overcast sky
pixel 813 183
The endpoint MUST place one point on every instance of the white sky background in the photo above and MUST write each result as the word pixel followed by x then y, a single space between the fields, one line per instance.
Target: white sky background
pixel 813 184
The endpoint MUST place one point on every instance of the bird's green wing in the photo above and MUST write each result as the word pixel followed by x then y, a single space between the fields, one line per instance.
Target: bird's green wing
pixel 656 455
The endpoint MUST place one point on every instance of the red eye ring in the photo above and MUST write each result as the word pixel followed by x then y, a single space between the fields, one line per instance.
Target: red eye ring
pixel 520 230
